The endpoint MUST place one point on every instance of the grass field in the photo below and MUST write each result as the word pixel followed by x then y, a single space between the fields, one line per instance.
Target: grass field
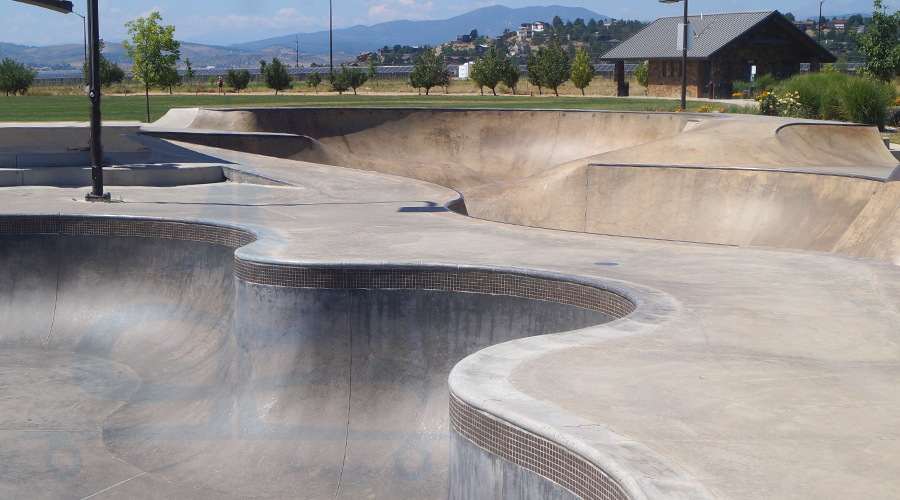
pixel 132 107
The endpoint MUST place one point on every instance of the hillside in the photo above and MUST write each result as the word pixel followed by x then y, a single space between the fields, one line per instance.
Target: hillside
pixel 489 21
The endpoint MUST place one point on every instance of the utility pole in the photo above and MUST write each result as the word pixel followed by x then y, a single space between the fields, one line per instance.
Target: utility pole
pixel 297 50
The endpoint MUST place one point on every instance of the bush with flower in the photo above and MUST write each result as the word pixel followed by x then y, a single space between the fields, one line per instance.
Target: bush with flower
pixel 788 104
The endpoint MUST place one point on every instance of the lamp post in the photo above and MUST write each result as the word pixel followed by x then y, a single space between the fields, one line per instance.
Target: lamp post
pixel 65 6
pixel 819 24
pixel 330 43
pixel 684 49
pixel 84 26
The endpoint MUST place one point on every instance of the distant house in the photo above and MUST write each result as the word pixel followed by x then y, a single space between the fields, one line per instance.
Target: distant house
pixel 463 38
pixel 539 26
pixel 836 24
pixel 725 49
pixel 862 29
pixel 364 56
pixel 804 25
pixel 524 32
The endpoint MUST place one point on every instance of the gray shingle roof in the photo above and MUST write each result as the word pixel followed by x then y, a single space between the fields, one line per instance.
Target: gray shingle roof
pixel 711 33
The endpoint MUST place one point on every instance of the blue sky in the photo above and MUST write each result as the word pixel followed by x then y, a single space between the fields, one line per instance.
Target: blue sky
pixel 245 20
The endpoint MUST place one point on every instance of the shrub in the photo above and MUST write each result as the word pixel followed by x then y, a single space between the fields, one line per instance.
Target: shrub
pixel 818 92
pixel 15 78
pixel 275 75
pixel 338 81
pixel 642 74
pixel 429 70
pixel 865 100
pixel 893 117
pixel 314 80
pixel 237 80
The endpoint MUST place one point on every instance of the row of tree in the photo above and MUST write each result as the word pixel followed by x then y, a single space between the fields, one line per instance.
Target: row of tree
pixel 549 68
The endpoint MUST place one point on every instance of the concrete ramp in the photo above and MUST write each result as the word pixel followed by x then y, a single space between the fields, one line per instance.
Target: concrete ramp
pixel 711 205
pixel 875 234
pixel 500 145
pixel 711 178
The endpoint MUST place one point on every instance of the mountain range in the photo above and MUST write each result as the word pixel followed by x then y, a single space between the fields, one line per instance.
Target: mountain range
pixel 489 21
pixel 313 47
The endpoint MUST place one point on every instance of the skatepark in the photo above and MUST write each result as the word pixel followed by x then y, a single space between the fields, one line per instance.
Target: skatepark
pixel 466 304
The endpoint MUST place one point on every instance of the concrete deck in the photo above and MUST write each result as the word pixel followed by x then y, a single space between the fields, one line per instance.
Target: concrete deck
pixel 746 372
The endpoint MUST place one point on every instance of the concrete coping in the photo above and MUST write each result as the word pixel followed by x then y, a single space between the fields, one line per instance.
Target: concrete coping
pixel 483 382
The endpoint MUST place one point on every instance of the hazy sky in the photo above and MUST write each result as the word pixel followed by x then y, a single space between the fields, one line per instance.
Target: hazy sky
pixel 247 20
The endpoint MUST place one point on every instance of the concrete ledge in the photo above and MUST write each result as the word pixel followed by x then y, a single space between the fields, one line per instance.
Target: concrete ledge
pixel 148 175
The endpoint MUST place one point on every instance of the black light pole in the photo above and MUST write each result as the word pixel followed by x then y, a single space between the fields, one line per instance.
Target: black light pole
pixel 96 193
pixel 65 6
pixel 684 50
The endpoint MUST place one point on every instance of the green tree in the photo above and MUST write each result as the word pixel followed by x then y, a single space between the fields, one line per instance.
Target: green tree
pixel 510 74
pixel 338 81
pixel 110 72
pixel 153 50
pixel 642 74
pixel 488 70
pixel 275 75
pixel 553 63
pixel 237 80
pixel 189 71
pixel 429 70
pixel 533 72
pixel 354 77
pixel 15 78
pixel 169 78
pixel 371 72
pixel 582 70
pixel 314 80
pixel 880 44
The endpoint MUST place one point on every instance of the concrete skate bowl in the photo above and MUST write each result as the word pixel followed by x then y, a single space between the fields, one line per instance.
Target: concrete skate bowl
pixel 723 179
pixel 152 343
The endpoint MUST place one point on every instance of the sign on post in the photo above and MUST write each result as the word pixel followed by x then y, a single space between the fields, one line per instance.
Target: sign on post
pixel 690 39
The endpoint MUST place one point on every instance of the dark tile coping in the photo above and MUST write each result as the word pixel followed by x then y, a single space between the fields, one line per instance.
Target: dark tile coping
pixel 533 453
pixel 514 282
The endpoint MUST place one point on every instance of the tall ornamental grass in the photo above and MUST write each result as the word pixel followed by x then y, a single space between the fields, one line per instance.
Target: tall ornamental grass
pixel 866 100
pixel 840 97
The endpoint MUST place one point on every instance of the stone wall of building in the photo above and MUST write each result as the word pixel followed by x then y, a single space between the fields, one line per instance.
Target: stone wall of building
pixel 668 84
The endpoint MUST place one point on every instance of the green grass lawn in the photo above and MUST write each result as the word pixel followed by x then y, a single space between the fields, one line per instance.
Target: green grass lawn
pixel 132 107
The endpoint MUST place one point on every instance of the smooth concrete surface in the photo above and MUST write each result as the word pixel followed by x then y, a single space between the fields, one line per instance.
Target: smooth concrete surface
pixel 744 180
pixel 746 372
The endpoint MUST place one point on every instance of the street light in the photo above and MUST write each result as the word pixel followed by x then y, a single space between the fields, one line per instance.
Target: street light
pixel 330 43
pixel 819 24
pixel 684 49
pixel 84 23
pixel 65 7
